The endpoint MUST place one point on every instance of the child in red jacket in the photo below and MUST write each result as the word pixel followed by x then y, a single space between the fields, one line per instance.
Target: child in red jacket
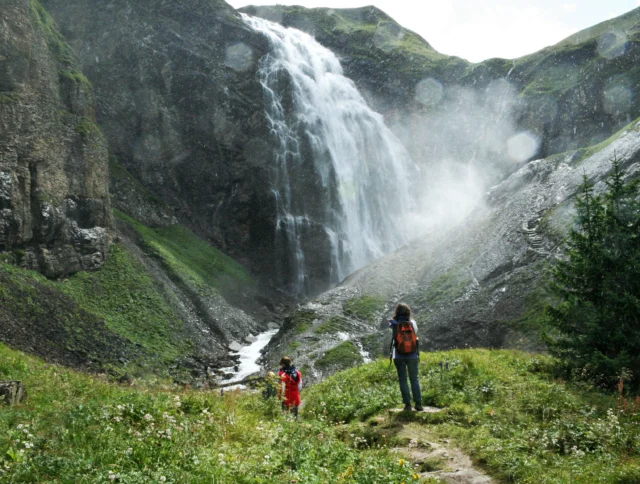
pixel 291 379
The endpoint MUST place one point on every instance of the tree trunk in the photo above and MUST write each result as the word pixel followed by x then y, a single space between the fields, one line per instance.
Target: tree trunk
pixel 12 392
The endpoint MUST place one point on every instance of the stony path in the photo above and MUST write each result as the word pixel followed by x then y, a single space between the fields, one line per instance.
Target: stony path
pixel 433 457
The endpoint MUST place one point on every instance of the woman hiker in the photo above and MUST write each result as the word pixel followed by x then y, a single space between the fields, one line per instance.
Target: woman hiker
pixel 291 378
pixel 405 352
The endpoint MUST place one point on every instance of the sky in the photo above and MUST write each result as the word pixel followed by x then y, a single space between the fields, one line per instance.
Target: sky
pixel 478 30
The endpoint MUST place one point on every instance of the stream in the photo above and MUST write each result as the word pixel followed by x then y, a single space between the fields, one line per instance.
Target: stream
pixel 249 356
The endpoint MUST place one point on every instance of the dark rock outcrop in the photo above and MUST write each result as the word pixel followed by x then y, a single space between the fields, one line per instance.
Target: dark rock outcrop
pixel 181 105
pixel 55 213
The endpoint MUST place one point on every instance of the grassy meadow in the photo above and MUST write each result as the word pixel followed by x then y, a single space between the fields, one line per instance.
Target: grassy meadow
pixel 501 407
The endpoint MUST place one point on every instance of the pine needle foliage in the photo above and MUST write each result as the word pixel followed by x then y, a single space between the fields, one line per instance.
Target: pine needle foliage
pixel 595 328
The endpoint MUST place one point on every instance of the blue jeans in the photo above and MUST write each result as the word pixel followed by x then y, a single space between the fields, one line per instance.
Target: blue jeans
pixel 412 365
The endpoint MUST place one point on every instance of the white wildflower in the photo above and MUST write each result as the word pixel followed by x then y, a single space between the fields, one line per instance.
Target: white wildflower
pixel 148 417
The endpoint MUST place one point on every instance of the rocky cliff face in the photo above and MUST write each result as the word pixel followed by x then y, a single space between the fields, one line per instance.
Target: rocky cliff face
pixel 55 214
pixel 181 106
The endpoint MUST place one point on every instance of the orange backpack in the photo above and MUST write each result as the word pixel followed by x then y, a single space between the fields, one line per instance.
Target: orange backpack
pixel 406 338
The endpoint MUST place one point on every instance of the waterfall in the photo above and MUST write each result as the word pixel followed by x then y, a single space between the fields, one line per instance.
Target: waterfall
pixel 341 180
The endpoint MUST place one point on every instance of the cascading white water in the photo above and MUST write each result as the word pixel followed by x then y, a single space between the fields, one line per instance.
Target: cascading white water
pixel 327 133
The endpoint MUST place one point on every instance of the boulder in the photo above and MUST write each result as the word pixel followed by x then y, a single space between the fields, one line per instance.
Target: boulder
pixel 12 392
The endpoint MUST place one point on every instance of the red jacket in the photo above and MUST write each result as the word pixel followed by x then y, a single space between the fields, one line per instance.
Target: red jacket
pixel 291 388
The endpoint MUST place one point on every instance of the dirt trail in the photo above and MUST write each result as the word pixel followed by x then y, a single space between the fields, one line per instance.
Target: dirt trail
pixel 432 457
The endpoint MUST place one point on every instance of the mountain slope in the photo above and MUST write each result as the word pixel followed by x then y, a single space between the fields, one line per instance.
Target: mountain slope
pixel 574 94
pixel 482 283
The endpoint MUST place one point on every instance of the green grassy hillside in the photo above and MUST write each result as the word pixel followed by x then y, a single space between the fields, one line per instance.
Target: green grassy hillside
pixel 77 428
pixel 501 407
pixel 505 410
pixel 121 317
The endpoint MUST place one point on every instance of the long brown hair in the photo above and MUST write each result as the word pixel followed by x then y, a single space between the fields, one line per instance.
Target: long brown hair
pixel 402 311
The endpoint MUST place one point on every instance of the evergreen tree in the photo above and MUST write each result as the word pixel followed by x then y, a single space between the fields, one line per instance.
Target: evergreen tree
pixel 597 323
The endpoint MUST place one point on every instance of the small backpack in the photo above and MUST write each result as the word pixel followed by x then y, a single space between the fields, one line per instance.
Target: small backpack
pixel 406 341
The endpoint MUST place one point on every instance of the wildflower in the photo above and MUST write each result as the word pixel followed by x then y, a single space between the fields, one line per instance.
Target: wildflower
pixel 402 462
pixel 112 476
pixel 416 476
pixel 129 451
pixel 323 404
pixel 19 426
pixel 163 479
pixel 148 417
pixel 120 407
pixel 117 419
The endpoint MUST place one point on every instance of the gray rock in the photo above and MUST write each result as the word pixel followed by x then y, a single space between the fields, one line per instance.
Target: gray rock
pixel 235 346
pixel 55 212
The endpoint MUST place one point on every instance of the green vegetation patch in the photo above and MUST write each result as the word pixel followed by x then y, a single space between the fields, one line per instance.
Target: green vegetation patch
pixel 190 258
pixel 294 346
pixel 342 356
pixel 86 127
pixel 301 321
pixel 506 410
pixel 364 307
pixel 57 44
pixel 125 295
pixel 76 76
pixel 78 428
pixel 332 325
pixel 36 314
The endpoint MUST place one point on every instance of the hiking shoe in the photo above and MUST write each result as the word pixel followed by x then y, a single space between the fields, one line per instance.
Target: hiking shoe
pixel 419 408
pixel 407 408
